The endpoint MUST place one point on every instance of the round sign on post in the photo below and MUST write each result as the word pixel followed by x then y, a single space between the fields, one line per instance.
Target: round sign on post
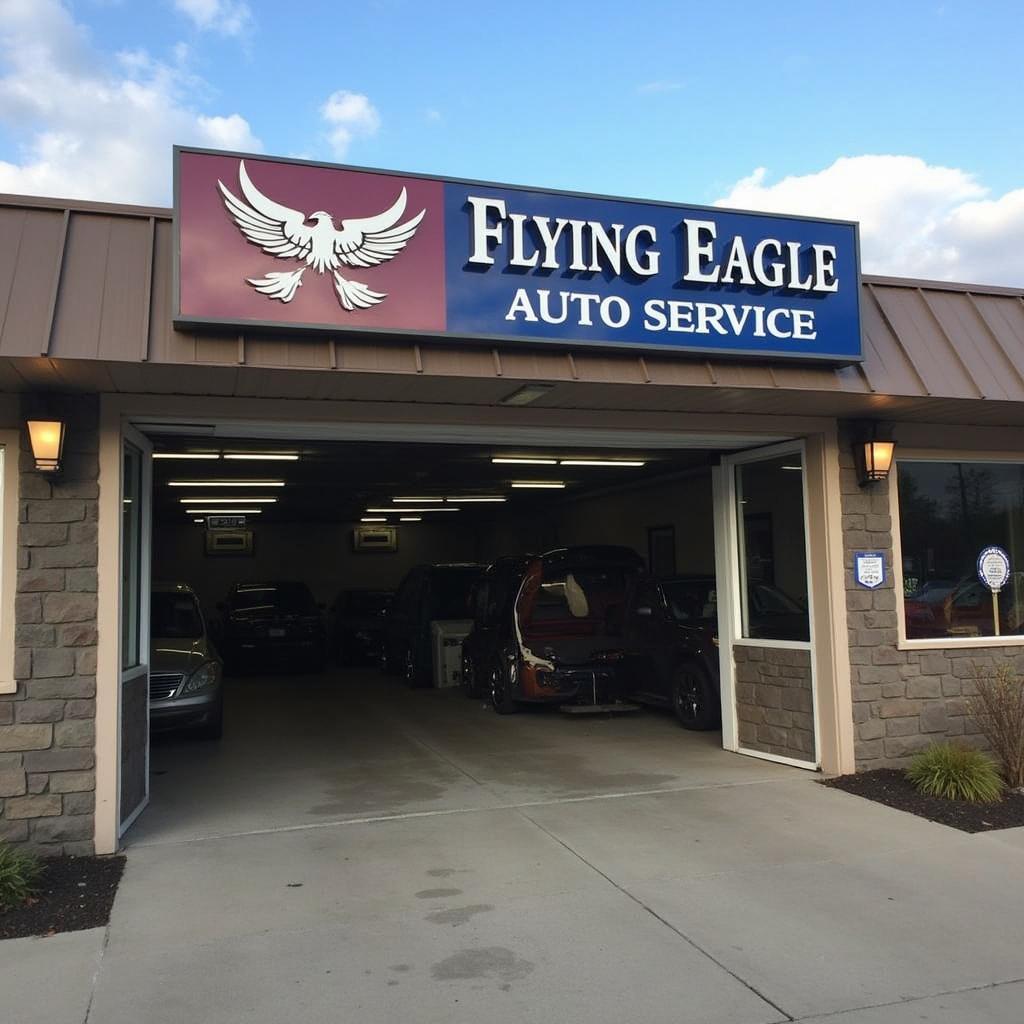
pixel 994 572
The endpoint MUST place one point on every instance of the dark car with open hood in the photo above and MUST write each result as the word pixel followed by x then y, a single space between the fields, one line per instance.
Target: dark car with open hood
pixel 274 625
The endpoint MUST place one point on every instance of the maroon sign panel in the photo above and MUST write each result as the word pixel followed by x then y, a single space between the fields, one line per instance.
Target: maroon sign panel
pixel 258 241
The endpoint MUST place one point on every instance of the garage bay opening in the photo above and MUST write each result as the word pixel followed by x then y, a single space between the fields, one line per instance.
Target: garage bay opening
pixel 341 630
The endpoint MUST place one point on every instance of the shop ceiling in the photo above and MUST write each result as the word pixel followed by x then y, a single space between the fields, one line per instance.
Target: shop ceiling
pixel 338 481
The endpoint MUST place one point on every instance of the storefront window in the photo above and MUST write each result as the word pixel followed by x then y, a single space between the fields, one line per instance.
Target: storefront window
pixel 949 513
pixel 773 551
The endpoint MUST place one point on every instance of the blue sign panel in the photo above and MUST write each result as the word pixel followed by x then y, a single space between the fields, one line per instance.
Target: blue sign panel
pixel 554 267
pixel 287 244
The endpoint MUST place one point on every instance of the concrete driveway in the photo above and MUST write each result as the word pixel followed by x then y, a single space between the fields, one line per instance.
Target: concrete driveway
pixel 419 859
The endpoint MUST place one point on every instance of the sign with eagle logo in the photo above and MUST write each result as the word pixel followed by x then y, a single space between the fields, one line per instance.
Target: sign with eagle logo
pixel 264 242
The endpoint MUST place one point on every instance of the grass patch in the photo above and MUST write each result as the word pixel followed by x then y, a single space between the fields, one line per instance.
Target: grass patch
pixel 956 773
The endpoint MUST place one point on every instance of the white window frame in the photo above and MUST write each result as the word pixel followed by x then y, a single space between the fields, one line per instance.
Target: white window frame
pixel 936 643
pixel 10 451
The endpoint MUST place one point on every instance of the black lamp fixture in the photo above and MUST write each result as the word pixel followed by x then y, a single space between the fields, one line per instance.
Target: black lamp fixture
pixel 47 440
pixel 873 449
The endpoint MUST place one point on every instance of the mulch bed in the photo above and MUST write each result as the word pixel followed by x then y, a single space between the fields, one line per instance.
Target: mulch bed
pixel 72 893
pixel 889 786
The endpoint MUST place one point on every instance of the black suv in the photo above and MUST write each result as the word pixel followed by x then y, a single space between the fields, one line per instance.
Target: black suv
pixel 427 594
pixel 274 625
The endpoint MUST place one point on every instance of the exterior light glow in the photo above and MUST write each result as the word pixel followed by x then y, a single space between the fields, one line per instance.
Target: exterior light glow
pixel 873 450
pixel 526 394
pixel 541 484
pixel 522 460
pixel 47 440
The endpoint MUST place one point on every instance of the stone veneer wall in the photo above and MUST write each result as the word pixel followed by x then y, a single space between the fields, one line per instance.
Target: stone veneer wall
pixel 902 700
pixel 47 727
pixel 775 701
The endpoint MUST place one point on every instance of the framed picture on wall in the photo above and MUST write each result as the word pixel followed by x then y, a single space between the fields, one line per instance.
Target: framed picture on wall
pixel 661 551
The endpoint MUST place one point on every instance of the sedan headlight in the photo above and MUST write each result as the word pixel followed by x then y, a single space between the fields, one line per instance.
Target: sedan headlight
pixel 207 675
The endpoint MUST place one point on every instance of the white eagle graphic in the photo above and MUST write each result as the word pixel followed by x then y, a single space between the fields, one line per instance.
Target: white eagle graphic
pixel 284 233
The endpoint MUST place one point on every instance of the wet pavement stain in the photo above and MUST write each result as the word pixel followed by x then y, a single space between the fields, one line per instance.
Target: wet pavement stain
pixel 488 962
pixel 437 894
pixel 441 872
pixel 401 968
pixel 458 915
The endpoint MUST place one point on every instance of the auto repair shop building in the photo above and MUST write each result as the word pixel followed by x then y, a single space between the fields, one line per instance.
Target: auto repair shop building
pixel 522 323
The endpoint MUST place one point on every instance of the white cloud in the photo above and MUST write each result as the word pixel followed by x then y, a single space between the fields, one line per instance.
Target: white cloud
pixel 91 126
pixel 917 219
pixel 349 115
pixel 228 17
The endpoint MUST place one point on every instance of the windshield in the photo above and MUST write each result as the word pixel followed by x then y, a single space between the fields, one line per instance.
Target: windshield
pixel 278 597
pixel 450 593
pixel 175 616
pixel 691 600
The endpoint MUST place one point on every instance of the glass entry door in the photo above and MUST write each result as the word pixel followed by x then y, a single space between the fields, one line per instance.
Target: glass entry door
pixel 136 517
pixel 765 622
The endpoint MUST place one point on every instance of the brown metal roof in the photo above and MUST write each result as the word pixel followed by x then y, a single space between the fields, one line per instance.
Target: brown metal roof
pixel 86 303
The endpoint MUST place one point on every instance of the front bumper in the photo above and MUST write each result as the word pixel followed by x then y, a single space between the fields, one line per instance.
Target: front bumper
pixel 184 712
pixel 591 684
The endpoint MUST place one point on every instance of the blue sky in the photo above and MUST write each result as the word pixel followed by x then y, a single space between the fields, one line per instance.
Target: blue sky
pixel 904 115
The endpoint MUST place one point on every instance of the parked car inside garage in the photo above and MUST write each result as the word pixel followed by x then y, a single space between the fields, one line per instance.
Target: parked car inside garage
pixel 427 594
pixel 185 685
pixel 357 619
pixel 272 624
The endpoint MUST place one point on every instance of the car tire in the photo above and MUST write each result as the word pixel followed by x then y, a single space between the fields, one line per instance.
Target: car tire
pixel 694 700
pixel 501 686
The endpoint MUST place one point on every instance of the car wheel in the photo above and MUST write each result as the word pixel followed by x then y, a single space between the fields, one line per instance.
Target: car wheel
pixel 470 684
pixel 501 690
pixel 694 700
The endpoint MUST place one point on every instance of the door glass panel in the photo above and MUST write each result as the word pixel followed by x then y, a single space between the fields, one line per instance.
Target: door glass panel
pixel 131 549
pixel 773 551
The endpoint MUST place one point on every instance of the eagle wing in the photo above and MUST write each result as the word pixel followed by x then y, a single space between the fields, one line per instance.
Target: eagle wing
pixel 276 229
pixel 370 241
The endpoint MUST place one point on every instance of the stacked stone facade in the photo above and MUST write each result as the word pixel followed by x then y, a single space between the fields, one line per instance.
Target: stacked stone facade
pixel 775 701
pixel 47 727
pixel 903 700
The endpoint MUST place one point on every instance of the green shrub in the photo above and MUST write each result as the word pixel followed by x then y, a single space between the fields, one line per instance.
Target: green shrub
pixel 956 773
pixel 998 709
pixel 19 872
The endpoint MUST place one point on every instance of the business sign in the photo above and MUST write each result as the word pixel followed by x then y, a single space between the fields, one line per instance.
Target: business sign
pixel 266 242
pixel 994 568
pixel 869 569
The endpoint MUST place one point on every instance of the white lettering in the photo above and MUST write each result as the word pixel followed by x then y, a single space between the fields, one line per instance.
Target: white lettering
pixel 521 304
pixel 654 314
pixel 773 280
pixel 825 268
pixel 633 261
pixel 586 306
pixel 609 246
pixel 482 231
pixel 794 269
pixel 549 239
pixel 700 247
pixel 518 257
pixel 709 314
pixel 543 306
pixel 803 325
pixel 737 261
pixel 773 320
pixel 608 318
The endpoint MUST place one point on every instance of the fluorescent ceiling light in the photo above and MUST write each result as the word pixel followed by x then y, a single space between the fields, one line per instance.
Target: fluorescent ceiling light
pixel 223 511
pixel 477 498
pixel 544 484
pixel 410 519
pixel 446 508
pixel 264 456
pixel 526 394
pixel 602 462
pixel 799 469
pixel 198 520
pixel 225 483
pixel 227 501
pixel 522 460
pixel 185 455
pixel 373 519
pixel 418 500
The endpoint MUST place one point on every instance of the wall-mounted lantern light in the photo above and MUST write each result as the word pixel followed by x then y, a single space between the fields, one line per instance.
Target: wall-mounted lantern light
pixel 47 440
pixel 873 449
